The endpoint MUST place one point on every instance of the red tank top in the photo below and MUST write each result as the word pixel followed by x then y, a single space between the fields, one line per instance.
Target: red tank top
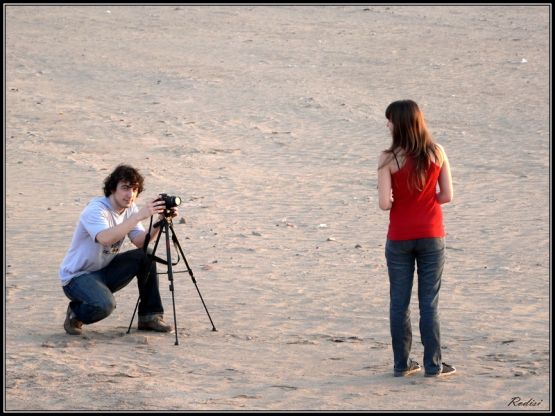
pixel 415 214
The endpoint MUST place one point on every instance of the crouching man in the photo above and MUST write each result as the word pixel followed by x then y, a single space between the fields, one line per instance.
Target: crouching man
pixel 94 269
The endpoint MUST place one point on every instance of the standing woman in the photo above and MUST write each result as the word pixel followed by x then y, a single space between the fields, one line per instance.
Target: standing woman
pixel 414 179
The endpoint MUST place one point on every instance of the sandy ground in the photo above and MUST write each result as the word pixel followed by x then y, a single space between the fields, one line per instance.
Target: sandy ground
pixel 268 122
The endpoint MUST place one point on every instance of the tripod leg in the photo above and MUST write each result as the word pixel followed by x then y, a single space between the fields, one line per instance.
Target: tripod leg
pixel 170 276
pixel 147 268
pixel 176 242
pixel 134 312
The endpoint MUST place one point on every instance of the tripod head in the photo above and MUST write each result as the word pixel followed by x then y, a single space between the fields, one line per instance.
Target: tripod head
pixel 167 218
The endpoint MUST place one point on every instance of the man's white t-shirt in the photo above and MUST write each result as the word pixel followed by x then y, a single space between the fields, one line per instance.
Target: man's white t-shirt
pixel 85 255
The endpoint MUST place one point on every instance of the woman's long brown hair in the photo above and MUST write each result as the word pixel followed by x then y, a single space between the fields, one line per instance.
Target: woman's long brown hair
pixel 412 136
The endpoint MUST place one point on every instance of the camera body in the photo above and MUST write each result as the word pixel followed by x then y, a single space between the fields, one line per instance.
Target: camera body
pixel 171 201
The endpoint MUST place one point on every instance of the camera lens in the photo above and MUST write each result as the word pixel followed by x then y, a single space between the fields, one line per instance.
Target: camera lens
pixel 170 200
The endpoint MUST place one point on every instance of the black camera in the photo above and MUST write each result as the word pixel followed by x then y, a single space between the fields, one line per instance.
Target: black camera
pixel 171 201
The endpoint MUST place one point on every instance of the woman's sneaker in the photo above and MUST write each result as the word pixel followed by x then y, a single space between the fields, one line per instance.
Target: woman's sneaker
pixel 413 368
pixel 446 370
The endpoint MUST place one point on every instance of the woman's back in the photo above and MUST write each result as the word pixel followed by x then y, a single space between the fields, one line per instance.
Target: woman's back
pixel 415 213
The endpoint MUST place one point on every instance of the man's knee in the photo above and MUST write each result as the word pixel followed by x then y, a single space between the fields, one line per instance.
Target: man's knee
pixel 103 308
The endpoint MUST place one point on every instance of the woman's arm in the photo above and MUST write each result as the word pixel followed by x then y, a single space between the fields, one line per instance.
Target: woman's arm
pixel 384 182
pixel 445 181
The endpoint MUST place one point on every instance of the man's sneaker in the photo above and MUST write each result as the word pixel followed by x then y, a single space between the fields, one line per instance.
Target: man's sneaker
pixel 413 368
pixel 445 371
pixel 156 324
pixel 72 325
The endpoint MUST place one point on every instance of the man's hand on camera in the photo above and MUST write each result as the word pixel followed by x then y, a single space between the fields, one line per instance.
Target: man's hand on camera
pixel 153 206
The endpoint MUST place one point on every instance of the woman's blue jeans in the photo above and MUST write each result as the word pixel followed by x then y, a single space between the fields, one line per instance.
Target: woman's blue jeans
pixel 429 256
pixel 91 294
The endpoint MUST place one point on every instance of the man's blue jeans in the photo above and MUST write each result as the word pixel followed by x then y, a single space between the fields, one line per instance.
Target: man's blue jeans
pixel 429 256
pixel 91 294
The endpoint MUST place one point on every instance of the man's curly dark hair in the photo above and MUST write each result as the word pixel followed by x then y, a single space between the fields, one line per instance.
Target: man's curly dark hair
pixel 124 173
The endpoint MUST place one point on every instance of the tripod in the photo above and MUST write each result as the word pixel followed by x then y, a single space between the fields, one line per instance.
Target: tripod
pixel 166 226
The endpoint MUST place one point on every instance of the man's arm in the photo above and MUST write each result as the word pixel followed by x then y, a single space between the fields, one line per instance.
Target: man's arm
pixel 139 240
pixel 117 233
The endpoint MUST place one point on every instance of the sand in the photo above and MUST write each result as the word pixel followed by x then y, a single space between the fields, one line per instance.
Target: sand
pixel 268 122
